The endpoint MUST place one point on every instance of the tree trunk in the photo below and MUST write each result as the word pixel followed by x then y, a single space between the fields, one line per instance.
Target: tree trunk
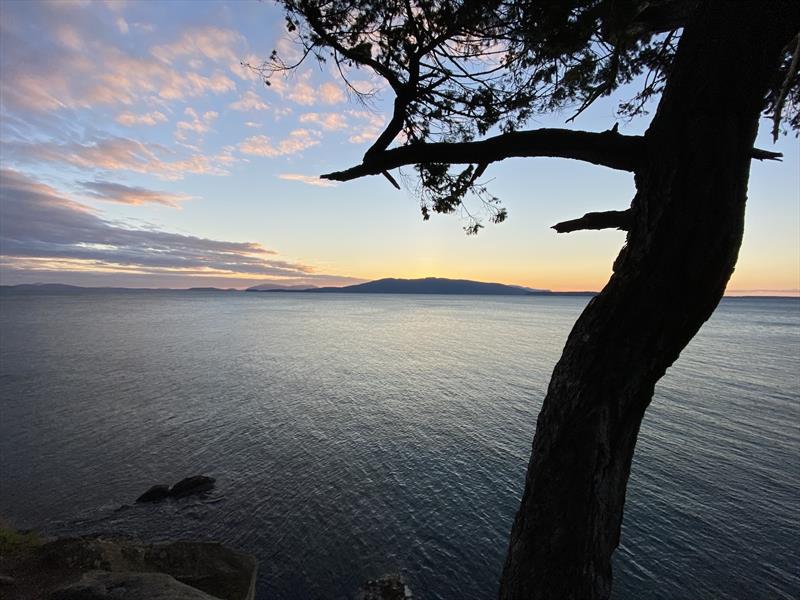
pixel 688 217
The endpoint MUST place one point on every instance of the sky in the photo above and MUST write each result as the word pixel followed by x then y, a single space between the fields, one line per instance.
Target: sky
pixel 137 151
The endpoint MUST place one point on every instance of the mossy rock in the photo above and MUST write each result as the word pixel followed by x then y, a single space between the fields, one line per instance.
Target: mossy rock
pixel 14 543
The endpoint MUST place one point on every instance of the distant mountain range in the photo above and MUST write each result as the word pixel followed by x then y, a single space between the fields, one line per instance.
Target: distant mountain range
pixel 63 287
pixel 428 285
pixel 274 287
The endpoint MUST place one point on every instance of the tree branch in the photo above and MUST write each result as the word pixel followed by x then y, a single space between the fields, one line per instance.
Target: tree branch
pixel 314 19
pixel 787 83
pixel 610 219
pixel 609 149
pixel 660 17
pixel 760 154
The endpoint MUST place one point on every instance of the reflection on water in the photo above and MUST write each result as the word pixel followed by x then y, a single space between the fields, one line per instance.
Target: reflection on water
pixel 357 435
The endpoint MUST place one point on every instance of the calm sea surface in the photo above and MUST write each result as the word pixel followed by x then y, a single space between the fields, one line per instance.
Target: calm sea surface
pixel 353 436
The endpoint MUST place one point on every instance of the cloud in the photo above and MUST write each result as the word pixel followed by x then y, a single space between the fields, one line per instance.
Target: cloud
pixel 122 25
pixel 53 60
pixel 214 43
pixel 297 141
pixel 328 121
pixel 307 179
pixel 331 93
pixel 198 125
pixel 39 225
pixel 115 154
pixel 295 87
pixel 242 68
pixel 370 127
pixel 116 192
pixel 253 124
pixel 69 37
pixel 115 5
pixel 144 27
pixel 249 101
pixel 129 119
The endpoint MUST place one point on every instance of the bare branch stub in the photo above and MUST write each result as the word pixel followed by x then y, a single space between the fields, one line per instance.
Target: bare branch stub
pixel 760 154
pixel 610 219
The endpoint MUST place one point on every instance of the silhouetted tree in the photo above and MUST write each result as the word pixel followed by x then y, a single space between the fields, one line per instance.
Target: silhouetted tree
pixel 460 70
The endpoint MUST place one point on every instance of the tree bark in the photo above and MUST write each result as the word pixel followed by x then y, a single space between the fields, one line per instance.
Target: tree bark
pixel 687 224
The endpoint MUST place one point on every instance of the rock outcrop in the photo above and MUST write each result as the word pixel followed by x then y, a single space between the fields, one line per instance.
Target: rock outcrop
pixel 89 567
pixel 102 585
pixel 388 587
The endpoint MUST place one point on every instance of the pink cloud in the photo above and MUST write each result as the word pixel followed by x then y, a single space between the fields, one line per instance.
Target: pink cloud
pixel 331 93
pixel 198 125
pixel 129 119
pixel 117 154
pixel 86 70
pixel 295 87
pixel 370 126
pixel 116 192
pixel 297 141
pixel 328 121
pixel 214 43
pixel 307 179
pixel 249 101
pixel 41 224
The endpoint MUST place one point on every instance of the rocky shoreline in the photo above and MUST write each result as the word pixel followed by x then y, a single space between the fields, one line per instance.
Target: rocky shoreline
pixel 115 567
pixel 104 567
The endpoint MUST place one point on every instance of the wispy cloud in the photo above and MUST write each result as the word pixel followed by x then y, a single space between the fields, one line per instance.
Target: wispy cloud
pixel 368 127
pixel 54 59
pixel 307 179
pixel 328 121
pixel 115 154
pixel 39 223
pixel 199 124
pixel 298 88
pixel 122 25
pixel 108 191
pixel 249 101
pixel 297 141
pixel 129 119
pixel 214 43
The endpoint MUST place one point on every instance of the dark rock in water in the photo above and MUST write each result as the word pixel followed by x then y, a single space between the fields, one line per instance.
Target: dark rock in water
pixel 102 585
pixel 154 494
pixel 192 485
pixel 388 587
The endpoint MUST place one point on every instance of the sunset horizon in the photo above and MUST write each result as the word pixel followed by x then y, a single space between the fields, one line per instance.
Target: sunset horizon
pixel 140 150
pixel 220 284
pixel 399 298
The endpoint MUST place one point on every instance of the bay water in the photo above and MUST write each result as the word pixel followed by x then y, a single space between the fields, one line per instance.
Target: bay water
pixel 357 435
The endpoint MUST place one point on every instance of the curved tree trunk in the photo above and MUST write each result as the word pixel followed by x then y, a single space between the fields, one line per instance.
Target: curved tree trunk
pixel 688 217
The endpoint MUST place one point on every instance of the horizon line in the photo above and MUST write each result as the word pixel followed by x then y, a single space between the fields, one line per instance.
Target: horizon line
pixel 753 292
